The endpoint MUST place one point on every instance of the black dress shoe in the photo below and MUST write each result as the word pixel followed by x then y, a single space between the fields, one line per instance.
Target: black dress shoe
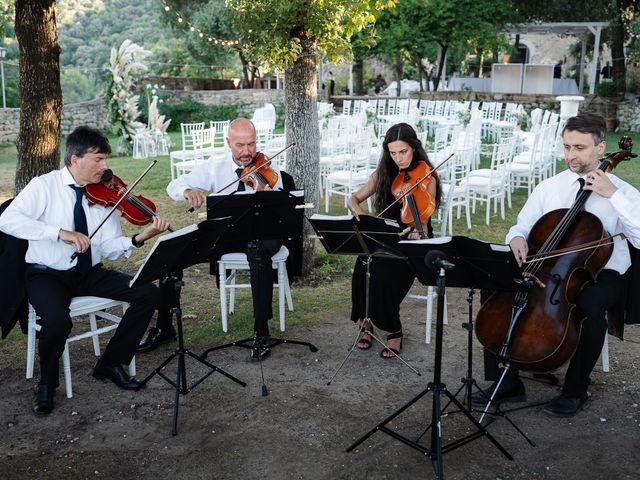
pixel 563 406
pixel 156 337
pixel 513 392
pixel 117 375
pixel 260 349
pixel 42 403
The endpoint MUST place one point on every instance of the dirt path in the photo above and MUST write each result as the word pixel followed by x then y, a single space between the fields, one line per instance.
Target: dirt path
pixel 301 430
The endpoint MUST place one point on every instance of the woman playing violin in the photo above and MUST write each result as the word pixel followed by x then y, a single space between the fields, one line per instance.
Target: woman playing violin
pixel 615 203
pixel 391 279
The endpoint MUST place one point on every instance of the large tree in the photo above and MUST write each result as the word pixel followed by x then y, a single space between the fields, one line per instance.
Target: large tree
pixel 407 30
pixel 290 36
pixel 40 94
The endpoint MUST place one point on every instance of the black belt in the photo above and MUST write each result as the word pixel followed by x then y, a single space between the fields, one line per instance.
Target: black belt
pixel 38 267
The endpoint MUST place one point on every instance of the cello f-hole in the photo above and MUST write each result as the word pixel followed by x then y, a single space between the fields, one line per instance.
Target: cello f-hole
pixel 552 299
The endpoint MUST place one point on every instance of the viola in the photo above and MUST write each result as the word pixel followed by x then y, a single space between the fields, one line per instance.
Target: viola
pixel 259 174
pixel 411 188
pixel 137 209
pixel 537 329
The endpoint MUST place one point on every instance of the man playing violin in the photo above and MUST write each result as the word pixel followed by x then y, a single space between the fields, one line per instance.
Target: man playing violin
pixel 391 279
pixel 615 203
pixel 53 214
pixel 213 176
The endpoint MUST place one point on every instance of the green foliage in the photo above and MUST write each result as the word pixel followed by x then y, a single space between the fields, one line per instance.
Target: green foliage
pixel 413 27
pixel 606 88
pixel 7 12
pixel 279 33
pixel 78 86
pixel 191 111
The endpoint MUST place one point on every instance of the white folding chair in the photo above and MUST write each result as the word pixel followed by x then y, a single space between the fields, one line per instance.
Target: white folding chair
pixel 186 153
pixel 94 307
pixel 238 261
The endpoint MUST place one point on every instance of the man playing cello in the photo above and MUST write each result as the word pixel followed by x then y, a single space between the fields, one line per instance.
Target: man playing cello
pixel 614 202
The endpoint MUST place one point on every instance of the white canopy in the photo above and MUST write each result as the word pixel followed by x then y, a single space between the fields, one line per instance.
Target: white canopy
pixel 577 29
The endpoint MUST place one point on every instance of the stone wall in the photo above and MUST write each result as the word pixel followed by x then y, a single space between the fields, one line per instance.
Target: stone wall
pixel 246 100
pixel 93 113
pixel 629 116
pixel 184 83
pixel 591 103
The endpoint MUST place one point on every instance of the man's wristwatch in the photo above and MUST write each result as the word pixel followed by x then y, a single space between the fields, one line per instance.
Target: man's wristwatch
pixel 134 242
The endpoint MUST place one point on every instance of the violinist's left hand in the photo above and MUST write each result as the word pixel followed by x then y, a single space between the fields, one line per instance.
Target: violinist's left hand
pixel 598 182
pixel 158 225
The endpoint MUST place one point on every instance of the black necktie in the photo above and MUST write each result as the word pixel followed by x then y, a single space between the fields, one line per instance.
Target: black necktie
pixel 581 181
pixel 241 187
pixel 80 225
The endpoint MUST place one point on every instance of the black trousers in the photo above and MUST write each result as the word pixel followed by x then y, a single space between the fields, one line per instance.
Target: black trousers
pixel 595 298
pixel 259 253
pixel 390 281
pixel 50 292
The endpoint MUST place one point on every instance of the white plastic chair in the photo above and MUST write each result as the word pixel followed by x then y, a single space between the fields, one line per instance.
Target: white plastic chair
pixel 186 153
pixel 429 297
pixel 238 261
pixel 203 147
pixel 95 308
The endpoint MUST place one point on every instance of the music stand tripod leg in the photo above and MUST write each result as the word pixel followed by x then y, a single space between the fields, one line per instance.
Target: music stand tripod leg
pixel 180 384
pixel 436 449
pixel 366 322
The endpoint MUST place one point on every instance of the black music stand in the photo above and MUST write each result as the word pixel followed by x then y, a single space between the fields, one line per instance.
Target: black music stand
pixel 364 236
pixel 455 262
pixel 169 255
pixel 272 215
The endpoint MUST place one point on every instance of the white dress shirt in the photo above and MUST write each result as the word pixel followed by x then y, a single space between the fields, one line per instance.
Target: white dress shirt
pixel 44 207
pixel 618 214
pixel 212 176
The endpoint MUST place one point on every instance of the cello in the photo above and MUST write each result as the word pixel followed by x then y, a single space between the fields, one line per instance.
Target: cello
pixel 537 329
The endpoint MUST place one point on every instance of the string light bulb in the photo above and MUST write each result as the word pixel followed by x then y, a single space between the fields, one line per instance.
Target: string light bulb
pixel 193 28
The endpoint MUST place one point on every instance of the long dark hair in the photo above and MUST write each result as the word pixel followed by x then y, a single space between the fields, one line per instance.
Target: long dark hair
pixel 387 170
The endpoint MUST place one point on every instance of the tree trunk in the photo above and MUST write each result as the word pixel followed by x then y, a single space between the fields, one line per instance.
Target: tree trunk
pixel 301 125
pixel 244 82
pixel 617 53
pixel 443 56
pixel 358 75
pixel 38 141
pixel 399 68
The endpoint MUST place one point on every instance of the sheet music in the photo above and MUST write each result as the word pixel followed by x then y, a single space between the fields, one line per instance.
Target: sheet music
pixel 163 238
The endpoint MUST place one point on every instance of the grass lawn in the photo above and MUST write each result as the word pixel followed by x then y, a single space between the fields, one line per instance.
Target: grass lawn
pixel 330 278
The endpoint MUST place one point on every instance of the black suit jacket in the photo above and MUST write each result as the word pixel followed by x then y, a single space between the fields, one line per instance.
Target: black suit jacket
pixel 13 297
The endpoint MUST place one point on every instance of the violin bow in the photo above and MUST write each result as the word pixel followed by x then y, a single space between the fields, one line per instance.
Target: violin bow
pixel 539 257
pixel 415 185
pixel 264 164
pixel 117 204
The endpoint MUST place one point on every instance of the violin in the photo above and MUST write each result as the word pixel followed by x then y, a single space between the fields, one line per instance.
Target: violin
pixel 259 174
pixel 411 188
pixel 537 329
pixel 137 209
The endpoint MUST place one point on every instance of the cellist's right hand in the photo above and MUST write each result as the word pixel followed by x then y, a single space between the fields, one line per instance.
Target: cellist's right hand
pixel 520 249
pixel 194 198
